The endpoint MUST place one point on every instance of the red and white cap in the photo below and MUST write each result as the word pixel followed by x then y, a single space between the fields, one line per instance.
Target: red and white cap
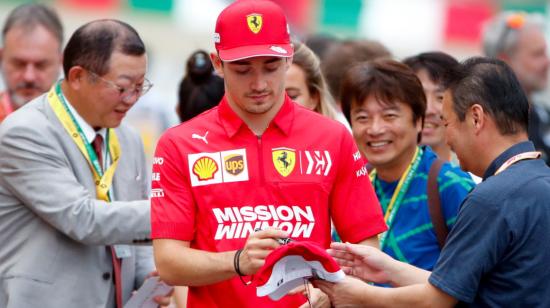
pixel 252 28
pixel 286 268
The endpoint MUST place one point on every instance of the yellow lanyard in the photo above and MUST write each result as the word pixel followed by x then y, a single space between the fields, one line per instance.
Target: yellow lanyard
pixel 102 180
pixel 514 159
pixel 399 193
pixel 403 183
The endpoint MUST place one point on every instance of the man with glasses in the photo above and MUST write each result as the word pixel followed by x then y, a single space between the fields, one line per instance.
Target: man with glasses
pixel 519 40
pixel 30 56
pixel 73 191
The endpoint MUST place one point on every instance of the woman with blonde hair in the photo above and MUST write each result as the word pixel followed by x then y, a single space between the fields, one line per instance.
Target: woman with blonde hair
pixel 306 85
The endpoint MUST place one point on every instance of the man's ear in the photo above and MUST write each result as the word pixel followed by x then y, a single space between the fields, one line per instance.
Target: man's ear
pixel 217 63
pixel 1 54
pixel 477 114
pixel 75 77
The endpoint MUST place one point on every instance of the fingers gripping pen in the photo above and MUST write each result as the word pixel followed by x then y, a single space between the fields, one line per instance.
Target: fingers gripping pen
pixel 280 240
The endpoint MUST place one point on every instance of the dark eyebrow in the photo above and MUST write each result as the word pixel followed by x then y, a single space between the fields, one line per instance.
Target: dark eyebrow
pixel 240 62
pixel 272 60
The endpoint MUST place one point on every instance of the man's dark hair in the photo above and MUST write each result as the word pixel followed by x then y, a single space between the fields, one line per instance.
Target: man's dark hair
pixel 92 45
pixel 492 84
pixel 435 63
pixel 388 81
pixel 200 89
pixel 343 55
pixel 30 16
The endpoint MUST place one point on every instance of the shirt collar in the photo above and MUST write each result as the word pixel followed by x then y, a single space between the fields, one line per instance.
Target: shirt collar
pixel 231 122
pixel 525 146
pixel 87 129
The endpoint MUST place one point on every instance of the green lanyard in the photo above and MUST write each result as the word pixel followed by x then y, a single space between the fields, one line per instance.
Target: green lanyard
pixel 89 149
pixel 398 194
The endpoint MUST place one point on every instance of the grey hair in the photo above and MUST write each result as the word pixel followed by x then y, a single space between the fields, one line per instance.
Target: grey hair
pixel 499 38
pixel 29 16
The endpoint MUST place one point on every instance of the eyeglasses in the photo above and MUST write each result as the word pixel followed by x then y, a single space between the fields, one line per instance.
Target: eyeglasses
pixel 127 94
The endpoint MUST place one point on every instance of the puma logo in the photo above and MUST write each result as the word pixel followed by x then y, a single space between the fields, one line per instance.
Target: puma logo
pixel 203 138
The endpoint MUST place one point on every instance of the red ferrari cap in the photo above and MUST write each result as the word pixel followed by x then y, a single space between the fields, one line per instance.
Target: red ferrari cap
pixel 286 268
pixel 252 28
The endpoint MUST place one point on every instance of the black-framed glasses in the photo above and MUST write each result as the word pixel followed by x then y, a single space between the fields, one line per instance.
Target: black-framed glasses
pixel 127 94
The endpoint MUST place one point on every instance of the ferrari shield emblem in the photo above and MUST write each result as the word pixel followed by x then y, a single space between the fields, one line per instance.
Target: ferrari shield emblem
pixel 254 22
pixel 284 160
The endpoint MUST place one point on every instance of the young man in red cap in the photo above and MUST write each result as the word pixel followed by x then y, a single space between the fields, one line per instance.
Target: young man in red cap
pixel 257 161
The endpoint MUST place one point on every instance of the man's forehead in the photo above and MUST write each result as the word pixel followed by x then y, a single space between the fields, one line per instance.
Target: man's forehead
pixel 26 30
pixel 30 54
pixel 381 104
pixel 530 38
pixel 124 66
pixel 263 60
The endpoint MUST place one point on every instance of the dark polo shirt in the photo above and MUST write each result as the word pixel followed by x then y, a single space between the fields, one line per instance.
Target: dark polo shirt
pixel 498 252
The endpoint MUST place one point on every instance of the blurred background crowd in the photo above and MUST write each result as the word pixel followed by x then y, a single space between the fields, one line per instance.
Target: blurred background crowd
pixel 174 29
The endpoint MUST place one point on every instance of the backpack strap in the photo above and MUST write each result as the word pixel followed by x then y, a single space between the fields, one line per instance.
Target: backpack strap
pixel 434 203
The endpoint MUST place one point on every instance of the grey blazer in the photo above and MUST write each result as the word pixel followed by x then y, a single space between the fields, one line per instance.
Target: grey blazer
pixel 53 232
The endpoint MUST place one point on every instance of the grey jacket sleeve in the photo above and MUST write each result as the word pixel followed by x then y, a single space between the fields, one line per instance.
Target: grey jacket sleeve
pixel 37 166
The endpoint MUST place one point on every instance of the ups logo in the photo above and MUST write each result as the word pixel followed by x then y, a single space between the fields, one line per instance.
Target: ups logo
pixel 234 164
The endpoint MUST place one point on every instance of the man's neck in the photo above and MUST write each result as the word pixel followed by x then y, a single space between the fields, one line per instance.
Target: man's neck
pixel 393 171
pixel 257 122
pixel 74 100
pixel 499 144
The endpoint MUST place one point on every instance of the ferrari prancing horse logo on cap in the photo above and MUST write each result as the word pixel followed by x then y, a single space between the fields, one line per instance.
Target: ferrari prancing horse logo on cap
pixel 254 22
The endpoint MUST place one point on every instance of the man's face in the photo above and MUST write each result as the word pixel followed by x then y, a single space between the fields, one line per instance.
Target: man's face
pixel 385 133
pixel 433 133
pixel 457 133
pixel 30 63
pixel 255 85
pixel 103 104
pixel 529 60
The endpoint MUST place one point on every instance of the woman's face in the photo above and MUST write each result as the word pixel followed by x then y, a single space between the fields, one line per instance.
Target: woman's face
pixel 297 89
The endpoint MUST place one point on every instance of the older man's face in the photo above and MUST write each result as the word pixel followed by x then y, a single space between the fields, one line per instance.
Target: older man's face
pixel 530 60
pixel 30 62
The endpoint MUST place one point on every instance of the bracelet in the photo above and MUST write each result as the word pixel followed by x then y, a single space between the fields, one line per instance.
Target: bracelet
pixel 236 265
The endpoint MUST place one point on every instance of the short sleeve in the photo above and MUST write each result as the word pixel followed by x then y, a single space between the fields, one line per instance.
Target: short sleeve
pixel 473 248
pixel 172 203
pixel 355 210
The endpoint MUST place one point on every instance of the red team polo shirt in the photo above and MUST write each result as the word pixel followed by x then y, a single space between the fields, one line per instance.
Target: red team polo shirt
pixel 215 182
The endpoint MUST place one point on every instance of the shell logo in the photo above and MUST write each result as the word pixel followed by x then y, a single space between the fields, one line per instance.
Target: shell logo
pixel 205 168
